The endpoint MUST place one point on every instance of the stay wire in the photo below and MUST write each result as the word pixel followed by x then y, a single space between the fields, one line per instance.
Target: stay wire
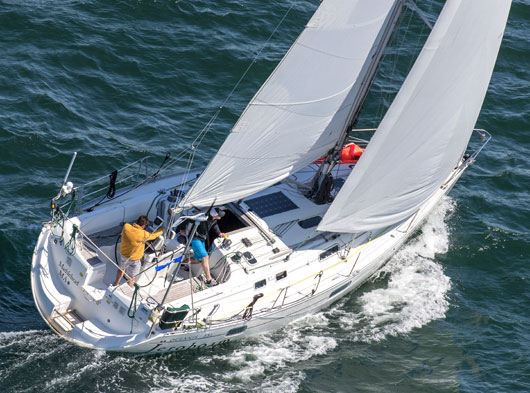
pixel 423 25
pixel 200 137
pixel 208 125
pixel 400 47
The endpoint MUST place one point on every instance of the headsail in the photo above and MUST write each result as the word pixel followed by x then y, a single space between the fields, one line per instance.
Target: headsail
pixel 427 127
pixel 301 110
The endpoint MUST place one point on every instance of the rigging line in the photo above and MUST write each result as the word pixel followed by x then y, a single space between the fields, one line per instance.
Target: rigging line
pixel 172 161
pixel 412 58
pixel 192 156
pixel 329 53
pixel 412 4
pixel 206 128
pixel 208 125
pixel 393 41
pixel 400 48
pixel 259 52
pixel 194 148
pixel 186 173
pixel 394 65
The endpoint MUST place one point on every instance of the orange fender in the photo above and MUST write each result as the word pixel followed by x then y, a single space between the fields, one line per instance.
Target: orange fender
pixel 350 153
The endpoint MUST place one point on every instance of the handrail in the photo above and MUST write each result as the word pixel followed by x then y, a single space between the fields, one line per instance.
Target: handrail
pixel 360 141
pixel 141 160
pixel 485 137
pixel 136 175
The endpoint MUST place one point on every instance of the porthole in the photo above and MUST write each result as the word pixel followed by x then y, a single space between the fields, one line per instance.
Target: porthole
pixel 236 330
pixel 260 284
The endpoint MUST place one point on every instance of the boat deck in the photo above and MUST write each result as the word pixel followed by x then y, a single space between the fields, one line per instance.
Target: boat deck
pixel 107 237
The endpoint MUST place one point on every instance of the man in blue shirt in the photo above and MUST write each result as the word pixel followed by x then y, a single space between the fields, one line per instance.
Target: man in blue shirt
pixel 198 243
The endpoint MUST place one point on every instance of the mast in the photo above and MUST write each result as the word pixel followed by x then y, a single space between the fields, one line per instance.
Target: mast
pixel 323 181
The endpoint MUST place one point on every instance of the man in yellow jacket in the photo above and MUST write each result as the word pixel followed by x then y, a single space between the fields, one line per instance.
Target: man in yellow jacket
pixel 133 238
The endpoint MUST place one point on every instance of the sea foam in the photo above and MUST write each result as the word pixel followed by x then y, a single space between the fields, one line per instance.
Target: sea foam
pixel 416 289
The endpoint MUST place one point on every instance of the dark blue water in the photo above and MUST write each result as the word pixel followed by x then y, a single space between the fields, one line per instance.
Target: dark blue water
pixel 120 80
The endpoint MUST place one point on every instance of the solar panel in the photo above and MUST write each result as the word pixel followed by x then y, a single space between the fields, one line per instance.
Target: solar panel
pixel 270 204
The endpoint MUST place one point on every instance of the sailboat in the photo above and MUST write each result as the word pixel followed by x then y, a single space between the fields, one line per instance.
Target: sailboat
pixel 305 223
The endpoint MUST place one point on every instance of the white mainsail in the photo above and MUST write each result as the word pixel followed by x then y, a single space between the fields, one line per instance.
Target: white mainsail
pixel 428 126
pixel 301 110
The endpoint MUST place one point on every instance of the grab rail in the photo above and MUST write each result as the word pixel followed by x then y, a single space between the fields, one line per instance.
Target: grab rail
pixel 136 173
pixel 484 137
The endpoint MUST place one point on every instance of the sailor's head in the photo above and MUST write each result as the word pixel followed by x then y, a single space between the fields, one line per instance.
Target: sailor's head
pixel 142 221
pixel 217 213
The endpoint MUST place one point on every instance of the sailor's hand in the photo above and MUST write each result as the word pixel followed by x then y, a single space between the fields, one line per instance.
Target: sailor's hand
pixel 223 235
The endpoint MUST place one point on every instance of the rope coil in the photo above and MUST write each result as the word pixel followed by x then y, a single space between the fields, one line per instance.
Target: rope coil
pixel 133 305
pixel 70 246
pixel 247 315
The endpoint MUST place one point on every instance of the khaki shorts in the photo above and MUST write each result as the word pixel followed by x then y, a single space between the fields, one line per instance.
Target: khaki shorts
pixel 131 267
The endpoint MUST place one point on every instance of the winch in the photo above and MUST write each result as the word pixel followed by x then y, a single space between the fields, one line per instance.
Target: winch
pixel 164 205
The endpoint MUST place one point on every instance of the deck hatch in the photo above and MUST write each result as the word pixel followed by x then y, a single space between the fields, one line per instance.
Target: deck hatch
pixel 270 204
pixel 329 252
pixel 310 222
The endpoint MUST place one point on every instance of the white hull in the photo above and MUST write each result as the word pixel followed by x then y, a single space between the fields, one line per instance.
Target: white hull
pixel 72 291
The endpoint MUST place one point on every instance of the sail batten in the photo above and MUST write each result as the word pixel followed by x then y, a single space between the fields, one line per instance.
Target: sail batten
pixel 299 113
pixel 428 126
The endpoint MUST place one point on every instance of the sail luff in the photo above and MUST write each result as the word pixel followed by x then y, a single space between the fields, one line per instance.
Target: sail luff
pixel 299 113
pixel 428 126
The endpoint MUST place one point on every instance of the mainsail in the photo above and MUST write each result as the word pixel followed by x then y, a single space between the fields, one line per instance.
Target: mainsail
pixel 427 127
pixel 301 110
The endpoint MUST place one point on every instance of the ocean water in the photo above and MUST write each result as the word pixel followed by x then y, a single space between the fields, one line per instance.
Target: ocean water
pixel 116 81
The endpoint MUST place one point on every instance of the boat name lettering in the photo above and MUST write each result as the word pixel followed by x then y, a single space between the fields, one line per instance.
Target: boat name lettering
pixel 191 346
pixel 66 275
pixel 178 339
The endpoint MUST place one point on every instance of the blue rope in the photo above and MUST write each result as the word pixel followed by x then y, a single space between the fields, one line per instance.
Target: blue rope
pixel 177 259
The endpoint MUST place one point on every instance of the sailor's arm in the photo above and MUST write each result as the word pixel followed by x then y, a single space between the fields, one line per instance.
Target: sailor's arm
pixel 154 235
pixel 217 231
